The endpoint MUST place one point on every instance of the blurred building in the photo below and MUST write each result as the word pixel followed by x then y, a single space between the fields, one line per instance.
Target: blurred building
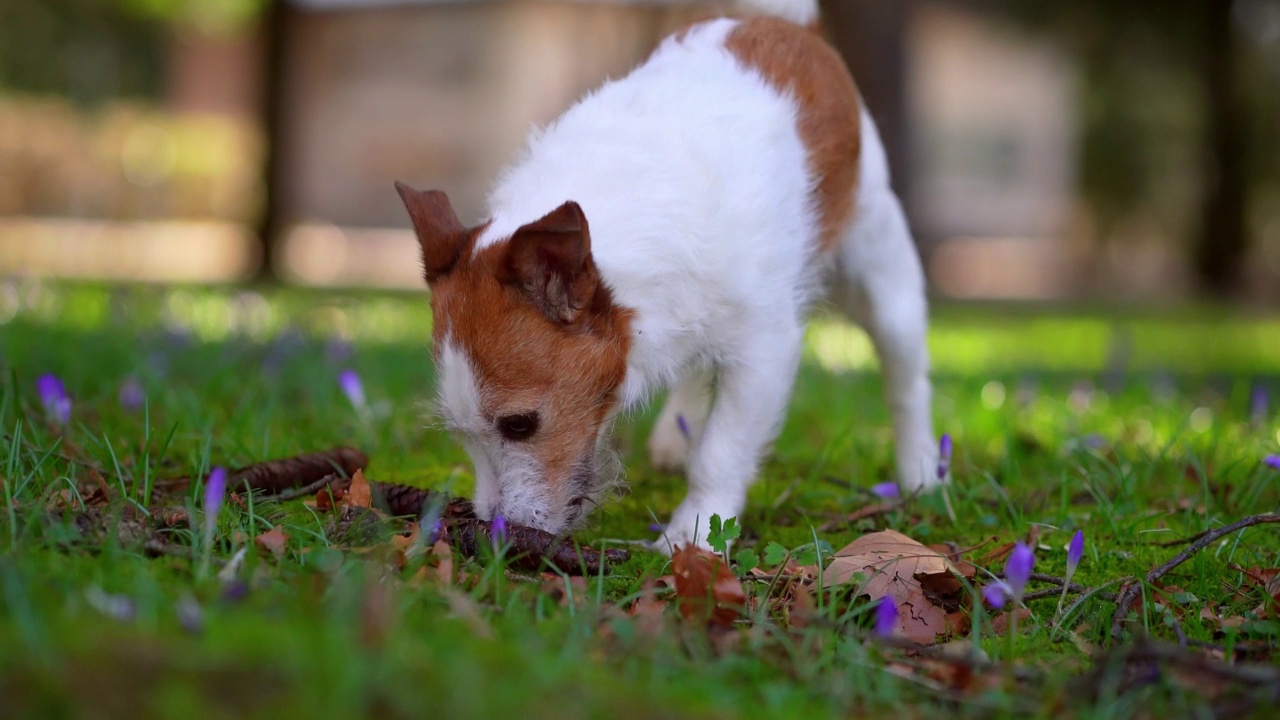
pixel 982 122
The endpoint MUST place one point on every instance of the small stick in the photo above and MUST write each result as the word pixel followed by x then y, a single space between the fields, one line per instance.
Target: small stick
pixel 277 476
pixel 861 513
pixel 531 548
pixel 1131 593
pixel 1072 588
pixel 311 489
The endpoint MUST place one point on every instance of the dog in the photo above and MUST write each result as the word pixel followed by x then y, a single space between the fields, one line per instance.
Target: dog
pixel 672 230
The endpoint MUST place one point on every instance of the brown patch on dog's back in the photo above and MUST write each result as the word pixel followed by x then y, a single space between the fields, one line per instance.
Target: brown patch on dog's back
pixel 796 60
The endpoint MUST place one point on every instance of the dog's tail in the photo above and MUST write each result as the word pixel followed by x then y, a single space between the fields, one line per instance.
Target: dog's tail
pixel 800 12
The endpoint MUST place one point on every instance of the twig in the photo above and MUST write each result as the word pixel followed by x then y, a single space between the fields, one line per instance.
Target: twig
pixel 530 548
pixel 860 514
pixel 1129 594
pixel 277 476
pixel 311 489
pixel 1179 541
pixel 1072 588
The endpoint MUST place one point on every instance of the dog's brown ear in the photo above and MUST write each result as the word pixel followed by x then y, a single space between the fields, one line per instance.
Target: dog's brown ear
pixel 440 234
pixel 549 260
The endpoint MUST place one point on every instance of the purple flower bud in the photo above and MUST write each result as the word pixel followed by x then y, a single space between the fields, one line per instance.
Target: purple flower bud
pixel 944 455
pixel 1017 571
pixel 190 616
pixel 886 617
pixel 132 396
pixel 1258 403
pixel 499 534
pixel 886 490
pixel 656 527
pixel 994 595
pixel 235 591
pixel 431 526
pixel 684 427
pixel 1075 551
pixel 116 607
pixel 53 396
pixel 351 386
pixel 215 488
pixel 338 350
pixel 1272 461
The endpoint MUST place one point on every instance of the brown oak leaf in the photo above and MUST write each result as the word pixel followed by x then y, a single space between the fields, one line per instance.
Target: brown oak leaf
pixel 706 589
pixel 274 541
pixel 894 565
pixel 359 494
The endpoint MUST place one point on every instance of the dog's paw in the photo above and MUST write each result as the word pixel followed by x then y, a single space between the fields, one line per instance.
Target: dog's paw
pixel 668 447
pixel 690 525
pixel 918 467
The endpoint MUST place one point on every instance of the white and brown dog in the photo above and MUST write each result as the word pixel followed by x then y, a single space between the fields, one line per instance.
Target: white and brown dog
pixel 672 230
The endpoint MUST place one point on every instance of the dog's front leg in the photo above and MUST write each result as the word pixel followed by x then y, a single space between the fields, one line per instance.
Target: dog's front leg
pixel 752 390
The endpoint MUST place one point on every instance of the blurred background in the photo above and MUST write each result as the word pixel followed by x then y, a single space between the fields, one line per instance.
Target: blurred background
pixel 1121 151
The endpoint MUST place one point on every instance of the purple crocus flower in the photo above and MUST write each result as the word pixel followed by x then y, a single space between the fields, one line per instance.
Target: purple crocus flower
pixel 1272 461
pixel 1017 571
pixel 1075 552
pixel 684 427
pixel 351 386
pixel 338 350
pixel 886 617
pixel 995 595
pixel 1258 403
pixel 54 398
pixel 886 491
pixel 499 535
pixel 215 489
pixel 944 456
pixel 132 396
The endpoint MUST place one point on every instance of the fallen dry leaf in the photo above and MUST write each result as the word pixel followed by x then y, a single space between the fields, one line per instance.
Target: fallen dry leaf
pixel 359 494
pixel 274 540
pixel 327 497
pixel 706 589
pixel 1000 623
pixel 650 608
pixel 444 561
pixel 1268 579
pixel 171 517
pixel 573 593
pixel 887 559
pixel 64 499
pixel 996 554
pixel 893 566
pixel 406 546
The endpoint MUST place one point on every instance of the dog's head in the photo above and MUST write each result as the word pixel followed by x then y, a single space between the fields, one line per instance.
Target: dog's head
pixel 531 353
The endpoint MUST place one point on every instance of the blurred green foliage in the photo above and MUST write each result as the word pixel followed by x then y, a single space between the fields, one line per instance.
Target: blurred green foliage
pixel 86 50
pixel 93 50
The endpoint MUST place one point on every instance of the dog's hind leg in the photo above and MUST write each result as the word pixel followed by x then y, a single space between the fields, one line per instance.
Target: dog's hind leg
pixel 881 287
pixel 680 423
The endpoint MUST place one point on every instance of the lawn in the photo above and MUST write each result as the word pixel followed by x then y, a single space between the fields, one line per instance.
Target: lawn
pixel 1139 429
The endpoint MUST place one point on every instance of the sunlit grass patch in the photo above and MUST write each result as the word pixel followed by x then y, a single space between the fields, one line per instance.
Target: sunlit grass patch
pixel 1133 430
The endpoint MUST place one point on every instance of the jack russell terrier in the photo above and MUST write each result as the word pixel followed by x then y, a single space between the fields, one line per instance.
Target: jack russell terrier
pixel 672 230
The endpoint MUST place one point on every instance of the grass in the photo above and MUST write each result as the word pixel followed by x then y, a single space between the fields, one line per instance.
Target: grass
pixel 1135 428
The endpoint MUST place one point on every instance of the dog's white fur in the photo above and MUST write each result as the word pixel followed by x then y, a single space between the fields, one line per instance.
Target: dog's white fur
pixel 696 185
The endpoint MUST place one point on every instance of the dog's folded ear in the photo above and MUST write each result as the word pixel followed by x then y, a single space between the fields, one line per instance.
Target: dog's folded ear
pixel 440 234
pixel 549 260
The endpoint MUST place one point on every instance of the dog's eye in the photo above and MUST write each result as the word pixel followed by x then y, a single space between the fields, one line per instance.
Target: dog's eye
pixel 518 427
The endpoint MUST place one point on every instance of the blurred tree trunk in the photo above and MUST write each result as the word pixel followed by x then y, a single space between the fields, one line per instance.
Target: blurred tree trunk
pixel 871 35
pixel 272 223
pixel 1223 241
